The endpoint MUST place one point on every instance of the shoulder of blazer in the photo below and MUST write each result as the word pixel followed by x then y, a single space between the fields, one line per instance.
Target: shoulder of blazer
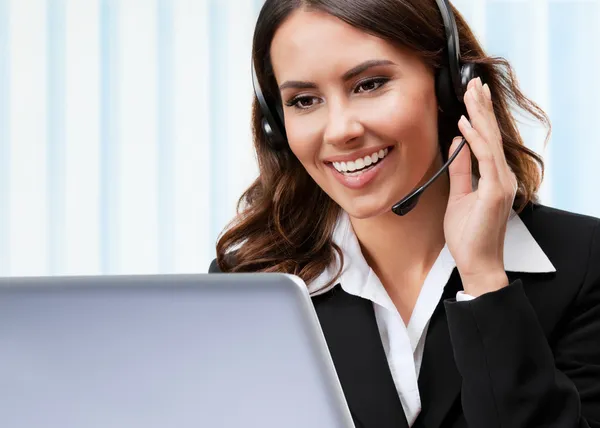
pixel 558 232
pixel 214 266
pixel 572 243
pixel 541 215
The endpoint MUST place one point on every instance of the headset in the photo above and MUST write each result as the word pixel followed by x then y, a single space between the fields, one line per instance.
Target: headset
pixel 451 82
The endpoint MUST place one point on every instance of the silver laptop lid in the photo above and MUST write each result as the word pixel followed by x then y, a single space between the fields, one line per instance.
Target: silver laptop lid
pixel 226 350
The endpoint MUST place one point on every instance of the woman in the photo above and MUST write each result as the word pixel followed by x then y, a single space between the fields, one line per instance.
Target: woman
pixel 479 307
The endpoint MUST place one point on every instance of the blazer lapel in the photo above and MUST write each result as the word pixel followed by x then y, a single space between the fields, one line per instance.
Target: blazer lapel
pixel 349 325
pixel 439 379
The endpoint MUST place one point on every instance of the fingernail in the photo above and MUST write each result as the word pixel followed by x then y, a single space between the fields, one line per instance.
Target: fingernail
pixel 488 93
pixel 479 85
pixel 465 121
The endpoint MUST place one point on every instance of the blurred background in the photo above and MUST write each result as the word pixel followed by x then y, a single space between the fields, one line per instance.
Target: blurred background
pixel 125 124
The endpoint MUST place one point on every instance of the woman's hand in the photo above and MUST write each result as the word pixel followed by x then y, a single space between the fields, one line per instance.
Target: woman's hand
pixel 475 221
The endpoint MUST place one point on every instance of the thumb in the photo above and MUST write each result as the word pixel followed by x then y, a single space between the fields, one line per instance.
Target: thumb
pixel 460 170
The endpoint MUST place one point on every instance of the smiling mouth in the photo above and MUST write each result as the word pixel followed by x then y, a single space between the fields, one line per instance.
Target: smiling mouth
pixel 361 165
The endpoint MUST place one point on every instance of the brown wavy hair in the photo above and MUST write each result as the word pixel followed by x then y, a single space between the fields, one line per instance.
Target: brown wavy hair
pixel 285 220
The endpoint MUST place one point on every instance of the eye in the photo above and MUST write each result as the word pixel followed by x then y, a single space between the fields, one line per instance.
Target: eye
pixel 305 102
pixel 301 102
pixel 371 84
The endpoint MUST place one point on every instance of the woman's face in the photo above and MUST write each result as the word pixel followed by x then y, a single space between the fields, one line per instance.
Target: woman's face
pixel 360 113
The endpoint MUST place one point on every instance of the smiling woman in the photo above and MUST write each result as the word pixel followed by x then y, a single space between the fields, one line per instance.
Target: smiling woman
pixel 357 104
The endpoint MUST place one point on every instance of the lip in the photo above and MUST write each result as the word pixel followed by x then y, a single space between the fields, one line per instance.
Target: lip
pixel 360 181
pixel 355 155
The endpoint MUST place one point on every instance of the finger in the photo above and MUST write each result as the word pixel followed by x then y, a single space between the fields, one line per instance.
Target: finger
pixel 460 170
pixel 481 150
pixel 489 186
pixel 494 128
pixel 483 119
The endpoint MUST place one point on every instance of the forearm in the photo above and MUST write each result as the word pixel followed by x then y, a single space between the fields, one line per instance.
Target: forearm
pixel 508 369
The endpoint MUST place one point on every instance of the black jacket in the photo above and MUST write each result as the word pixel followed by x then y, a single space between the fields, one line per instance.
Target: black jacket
pixel 522 357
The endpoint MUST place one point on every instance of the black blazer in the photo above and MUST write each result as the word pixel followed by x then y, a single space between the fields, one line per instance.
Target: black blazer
pixel 521 357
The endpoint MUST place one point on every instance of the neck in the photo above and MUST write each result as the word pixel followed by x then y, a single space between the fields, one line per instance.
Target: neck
pixel 401 250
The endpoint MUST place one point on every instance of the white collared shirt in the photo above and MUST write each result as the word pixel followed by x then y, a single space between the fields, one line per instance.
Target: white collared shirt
pixel 404 344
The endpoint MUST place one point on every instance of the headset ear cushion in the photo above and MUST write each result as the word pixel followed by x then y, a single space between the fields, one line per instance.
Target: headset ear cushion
pixel 272 124
pixel 275 139
pixel 468 72
pixel 444 91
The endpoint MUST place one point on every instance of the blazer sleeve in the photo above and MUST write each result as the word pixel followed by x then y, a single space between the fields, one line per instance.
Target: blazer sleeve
pixel 511 376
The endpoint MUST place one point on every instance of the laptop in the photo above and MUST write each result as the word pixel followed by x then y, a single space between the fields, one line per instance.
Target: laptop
pixel 176 351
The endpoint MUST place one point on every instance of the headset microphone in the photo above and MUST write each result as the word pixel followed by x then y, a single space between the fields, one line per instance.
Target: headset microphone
pixel 451 82
pixel 410 201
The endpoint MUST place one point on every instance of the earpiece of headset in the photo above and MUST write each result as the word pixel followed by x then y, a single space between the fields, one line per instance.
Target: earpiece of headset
pixel 272 123
pixel 453 77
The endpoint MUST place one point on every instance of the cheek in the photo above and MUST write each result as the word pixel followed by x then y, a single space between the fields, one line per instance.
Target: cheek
pixel 409 120
pixel 304 141
pixel 306 149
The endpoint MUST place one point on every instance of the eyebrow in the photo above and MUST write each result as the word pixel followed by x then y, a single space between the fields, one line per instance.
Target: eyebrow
pixel 353 72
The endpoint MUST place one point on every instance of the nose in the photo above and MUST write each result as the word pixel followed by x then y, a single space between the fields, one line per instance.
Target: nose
pixel 342 126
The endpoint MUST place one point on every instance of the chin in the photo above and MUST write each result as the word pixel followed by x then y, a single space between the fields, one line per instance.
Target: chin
pixel 366 209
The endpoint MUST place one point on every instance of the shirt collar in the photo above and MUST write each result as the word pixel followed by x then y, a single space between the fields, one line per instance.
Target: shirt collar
pixel 521 254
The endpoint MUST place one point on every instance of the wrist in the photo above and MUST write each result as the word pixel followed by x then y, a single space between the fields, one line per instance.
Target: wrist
pixel 476 285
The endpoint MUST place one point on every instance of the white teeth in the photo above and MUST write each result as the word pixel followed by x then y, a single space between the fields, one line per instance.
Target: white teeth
pixel 360 162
